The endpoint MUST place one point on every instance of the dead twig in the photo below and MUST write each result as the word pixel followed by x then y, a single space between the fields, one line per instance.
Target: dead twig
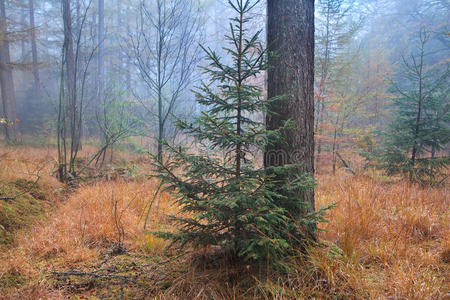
pixel 345 163
pixel 95 275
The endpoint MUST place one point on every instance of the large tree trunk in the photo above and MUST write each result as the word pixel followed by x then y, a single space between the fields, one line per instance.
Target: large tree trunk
pixel 6 79
pixel 290 33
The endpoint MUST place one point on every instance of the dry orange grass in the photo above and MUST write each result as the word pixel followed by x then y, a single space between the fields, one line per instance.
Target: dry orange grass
pixel 82 224
pixel 85 224
pixel 28 163
pixel 83 228
pixel 385 240
pixel 394 237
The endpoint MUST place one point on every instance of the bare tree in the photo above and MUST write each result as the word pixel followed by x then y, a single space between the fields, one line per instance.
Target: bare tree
pixel 101 52
pixel 333 32
pixel 166 52
pixel 119 24
pixel 71 100
pixel 418 68
pixel 6 80
pixel 34 54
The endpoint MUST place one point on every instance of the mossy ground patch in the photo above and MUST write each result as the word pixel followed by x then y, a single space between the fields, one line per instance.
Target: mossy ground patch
pixel 18 208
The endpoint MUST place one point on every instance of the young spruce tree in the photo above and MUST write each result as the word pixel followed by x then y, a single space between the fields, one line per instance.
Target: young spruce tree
pixel 420 127
pixel 222 188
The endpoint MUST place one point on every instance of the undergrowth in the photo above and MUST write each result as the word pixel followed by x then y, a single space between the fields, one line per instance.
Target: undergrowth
pixel 384 239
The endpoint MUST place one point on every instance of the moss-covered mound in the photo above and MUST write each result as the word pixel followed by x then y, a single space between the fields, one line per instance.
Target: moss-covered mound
pixel 21 202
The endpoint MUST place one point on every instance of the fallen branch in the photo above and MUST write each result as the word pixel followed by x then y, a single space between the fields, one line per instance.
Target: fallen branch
pixel 94 275
pixel 345 163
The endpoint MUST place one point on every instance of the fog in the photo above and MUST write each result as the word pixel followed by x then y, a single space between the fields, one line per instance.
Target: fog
pixel 134 63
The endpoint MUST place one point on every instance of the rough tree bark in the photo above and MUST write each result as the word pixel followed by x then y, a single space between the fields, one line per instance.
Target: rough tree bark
pixel 290 33
pixel 6 80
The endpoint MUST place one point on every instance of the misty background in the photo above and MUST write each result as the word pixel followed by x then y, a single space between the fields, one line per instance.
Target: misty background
pixel 136 62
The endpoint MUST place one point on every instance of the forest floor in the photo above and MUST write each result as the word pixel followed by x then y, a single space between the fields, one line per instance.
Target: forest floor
pixel 385 239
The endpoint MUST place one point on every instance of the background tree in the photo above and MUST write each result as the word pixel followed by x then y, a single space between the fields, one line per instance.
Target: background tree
pixel 34 53
pixel 334 32
pixel 165 50
pixel 101 53
pixel 422 117
pixel 9 119
pixel 72 94
pixel 116 120
pixel 353 61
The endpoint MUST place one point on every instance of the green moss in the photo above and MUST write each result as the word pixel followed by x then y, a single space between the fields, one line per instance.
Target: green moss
pixel 11 280
pixel 166 284
pixel 30 187
pixel 19 211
